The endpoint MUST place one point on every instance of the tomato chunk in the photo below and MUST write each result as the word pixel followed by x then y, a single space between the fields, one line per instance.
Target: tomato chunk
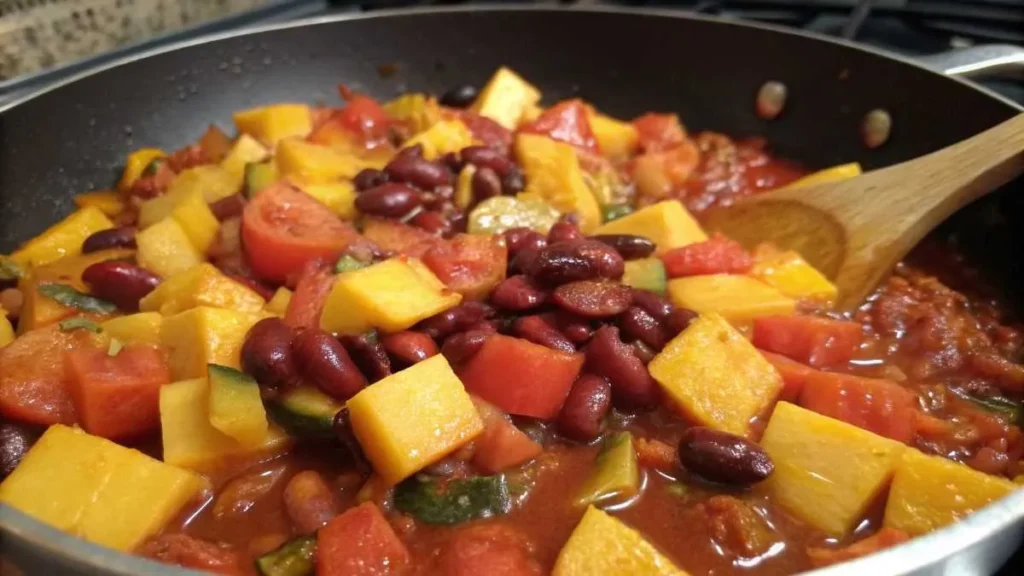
pixel 881 406
pixel 311 292
pixel 359 542
pixel 566 122
pixel 364 117
pixel 469 264
pixel 117 397
pixel 283 228
pixel 492 549
pixel 397 237
pixel 717 255
pixel 658 174
pixel 487 131
pixel 501 445
pixel 33 383
pixel 659 132
pixel 794 375
pixel 819 342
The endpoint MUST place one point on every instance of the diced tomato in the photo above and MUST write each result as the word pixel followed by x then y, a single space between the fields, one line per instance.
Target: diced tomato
pixel 653 453
pixel 401 238
pixel 881 406
pixel 884 538
pixel 189 552
pixel 819 342
pixel 469 264
pixel 487 131
pixel 283 228
pixel 117 397
pixel 717 255
pixel 333 133
pixel 311 292
pixel 360 542
pixel 521 377
pixel 658 174
pixel 501 445
pixel 33 383
pixel 363 116
pixel 566 122
pixel 794 375
pixel 659 132
pixel 491 549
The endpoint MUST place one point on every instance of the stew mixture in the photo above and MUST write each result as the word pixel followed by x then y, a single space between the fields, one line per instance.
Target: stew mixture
pixel 471 335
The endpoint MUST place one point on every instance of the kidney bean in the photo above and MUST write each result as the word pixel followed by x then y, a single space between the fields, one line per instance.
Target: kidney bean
pixel 369 178
pixel 122 237
pixel 309 502
pixel 459 224
pixel 459 348
pixel 459 97
pixel 564 231
pixel 487 157
pixel 432 222
pixel 323 361
pixel 414 150
pixel 485 184
pixel 643 352
pixel 455 319
pixel 722 457
pixel 519 239
pixel 573 261
pixel 267 355
pixel 389 200
pixel 409 347
pixel 537 330
pixel 120 282
pixel 342 427
pixel 653 304
pixel 15 440
pixel 632 385
pixel 630 247
pixel 229 207
pixel 577 330
pixel 637 323
pixel 417 171
pixel 582 415
pixel 369 354
pixel 592 299
pixel 518 293
pixel 454 162
pixel 678 320
pixel 514 182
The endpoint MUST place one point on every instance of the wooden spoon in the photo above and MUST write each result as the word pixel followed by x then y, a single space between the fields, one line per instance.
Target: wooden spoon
pixel 855 231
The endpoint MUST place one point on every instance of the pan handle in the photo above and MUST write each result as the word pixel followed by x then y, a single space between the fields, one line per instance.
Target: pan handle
pixel 1003 60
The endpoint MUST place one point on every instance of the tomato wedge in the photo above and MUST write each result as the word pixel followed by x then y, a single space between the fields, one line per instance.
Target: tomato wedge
pixel 659 132
pixel 566 122
pixel 283 228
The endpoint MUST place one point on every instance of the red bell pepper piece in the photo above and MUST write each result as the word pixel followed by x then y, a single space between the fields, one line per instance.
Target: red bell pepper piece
pixel 566 122
pixel 819 342
pixel 33 382
pixel 881 406
pixel 717 255
pixel 360 542
pixel 659 132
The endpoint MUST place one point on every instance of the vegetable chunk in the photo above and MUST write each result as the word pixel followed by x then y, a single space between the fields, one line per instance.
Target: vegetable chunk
pixel 63 238
pixel 505 98
pixel 668 224
pixel 360 542
pixel 792 275
pixel 602 545
pixel 202 336
pixel 202 285
pixel 554 175
pixel 737 298
pixel 271 124
pixel 165 248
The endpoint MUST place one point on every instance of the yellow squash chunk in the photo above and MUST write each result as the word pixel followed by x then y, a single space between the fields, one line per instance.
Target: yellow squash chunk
pixel 716 376
pixel 166 249
pixel 339 196
pixel 929 492
pixel 278 305
pixel 140 328
pixel 737 298
pixel 190 441
pixel 668 224
pixel 615 137
pixel 245 150
pixel 271 124
pixel 6 330
pixel 108 201
pixel 315 163
pixel 553 174
pixel 413 418
pixel 505 98
pixel 63 238
pixel 464 187
pixel 792 275
pixel 833 174
pixel 202 285
pixel 391 295
pixel 441 138
pixel 602 545
pixel 202 336
pixel 417 111
pixel 135 164
pixel 196 218
pixel 96 489
pixel 213 182
pixel 827 472
pixel 236 408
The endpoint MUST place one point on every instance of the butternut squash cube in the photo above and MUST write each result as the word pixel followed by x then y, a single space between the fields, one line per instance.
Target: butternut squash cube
pixel 339 196
pixel 108 201
pixel 391 295
pixel 310 162
pixel 63 238
pixel 204 335
pixel 197 220
pixel 278 305
pixel 602 545
pixel 191 441
pixel 135 164
pixel 141 328
pixel 737 298
pixel 668 224
pixel 716 376
pixel 929 492
pixel 244 151
pixel 417 111
pixel 615 138
pixel 827 472
pixel 441 138
pixel 6 330
pixel 202 285
pixel 792 275
pixel 166 249
pixel 213 182
pixel 413 418
pixel 96 489
pixel 505 98
pixel 271 124
pixel 553 174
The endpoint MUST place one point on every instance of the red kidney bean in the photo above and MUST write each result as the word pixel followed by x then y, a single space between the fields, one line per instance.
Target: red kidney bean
pixel 459 223
pixel 487 157
pixel 518 239
pixel 722 457
pixel 643 352
pixel 369 354
pixel 459 97
pixel 309 502
pixel 389 200
pixel 518 293
pixel 417 171
pixel 342 427
pixel 454 162
pixel 537 330
pixel 432 222
pixel 414 150
pixel 564 231
pixel 632 385
pixel 678 320
pixel 455 319
pixel 409 347
pixel 230 207
pixel 15 440
pixel 323 361
pixel 577 330
pixel 267 355
pixel 514 182
pixel 369 178
pixel 653 304
pixel 572 261
pixel 630 247
pixel 120 282
pixel 592 299
pixel 459 348
pixel 637 323
pixel 588 402
pixel 123 237
pixel 485 184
